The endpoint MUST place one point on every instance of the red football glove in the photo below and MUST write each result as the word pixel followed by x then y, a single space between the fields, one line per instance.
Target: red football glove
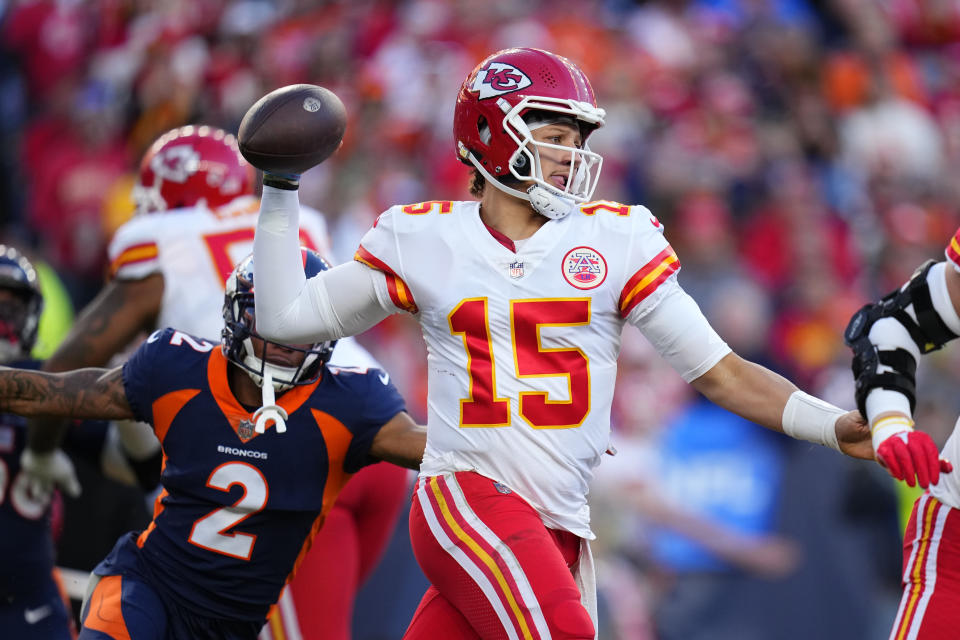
pixel 913 457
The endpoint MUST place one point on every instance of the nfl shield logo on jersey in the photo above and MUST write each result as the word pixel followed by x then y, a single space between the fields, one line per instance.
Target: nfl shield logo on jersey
pixel 584 268
pixel 502 488
pixel 245 430
pixel 516 269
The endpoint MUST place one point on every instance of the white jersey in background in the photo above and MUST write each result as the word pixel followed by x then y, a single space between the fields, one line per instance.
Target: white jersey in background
pixel 523 346
pixel 195 249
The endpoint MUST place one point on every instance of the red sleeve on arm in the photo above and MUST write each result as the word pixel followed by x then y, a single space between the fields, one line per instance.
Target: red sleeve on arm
pixel 646 280
pixel 400 293
pixel 953 250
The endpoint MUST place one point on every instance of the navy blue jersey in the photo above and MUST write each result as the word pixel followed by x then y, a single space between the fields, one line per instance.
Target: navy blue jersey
pixel 26 546
pixel 239 508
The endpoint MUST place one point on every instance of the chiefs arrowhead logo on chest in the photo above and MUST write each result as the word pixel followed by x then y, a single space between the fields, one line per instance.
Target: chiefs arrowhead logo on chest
pixel 584 268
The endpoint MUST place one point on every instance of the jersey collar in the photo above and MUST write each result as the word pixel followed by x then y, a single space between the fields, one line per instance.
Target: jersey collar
pixel 235 413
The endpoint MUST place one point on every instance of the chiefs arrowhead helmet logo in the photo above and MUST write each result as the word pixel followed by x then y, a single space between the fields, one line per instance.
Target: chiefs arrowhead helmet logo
pixel 499 78
pixel 176 163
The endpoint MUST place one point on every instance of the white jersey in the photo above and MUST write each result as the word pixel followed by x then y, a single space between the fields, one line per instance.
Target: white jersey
pixel 195 249
pixel 522 346
pixel 947 490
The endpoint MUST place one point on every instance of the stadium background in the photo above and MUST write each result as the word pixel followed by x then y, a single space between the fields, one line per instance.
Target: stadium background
pixel 799 153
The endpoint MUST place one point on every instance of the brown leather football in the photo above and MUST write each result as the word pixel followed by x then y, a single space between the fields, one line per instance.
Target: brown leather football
pixel 292 129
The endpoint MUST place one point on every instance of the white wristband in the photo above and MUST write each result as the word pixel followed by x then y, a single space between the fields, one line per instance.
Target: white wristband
pixel 808 418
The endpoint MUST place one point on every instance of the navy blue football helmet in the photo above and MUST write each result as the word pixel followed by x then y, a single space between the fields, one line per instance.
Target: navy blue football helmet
pixel 20 314
pixel 239 330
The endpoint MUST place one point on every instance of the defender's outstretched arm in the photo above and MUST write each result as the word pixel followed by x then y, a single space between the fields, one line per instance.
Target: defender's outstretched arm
pixel 83 394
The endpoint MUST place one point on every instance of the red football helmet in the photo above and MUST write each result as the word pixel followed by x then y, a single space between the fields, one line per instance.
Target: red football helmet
pixel 190 165
pixel 507 95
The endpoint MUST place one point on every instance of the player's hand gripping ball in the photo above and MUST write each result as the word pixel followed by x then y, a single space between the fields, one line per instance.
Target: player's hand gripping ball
pixel 292 129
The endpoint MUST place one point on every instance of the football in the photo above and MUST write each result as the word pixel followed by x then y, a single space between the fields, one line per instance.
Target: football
pixel 292 129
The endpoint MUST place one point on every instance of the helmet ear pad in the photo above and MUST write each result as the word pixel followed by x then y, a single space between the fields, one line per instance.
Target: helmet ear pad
pixel 521 164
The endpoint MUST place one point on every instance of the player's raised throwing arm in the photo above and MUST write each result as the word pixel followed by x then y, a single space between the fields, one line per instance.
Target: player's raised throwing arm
pixel 85 393
pixel 340 302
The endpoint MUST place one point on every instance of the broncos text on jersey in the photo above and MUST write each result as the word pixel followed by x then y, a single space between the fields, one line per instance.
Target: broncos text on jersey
pixel 238 508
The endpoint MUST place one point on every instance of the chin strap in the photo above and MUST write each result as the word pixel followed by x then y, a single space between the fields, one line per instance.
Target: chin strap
pixel 549 204
pixel 544 201
pixel 270 411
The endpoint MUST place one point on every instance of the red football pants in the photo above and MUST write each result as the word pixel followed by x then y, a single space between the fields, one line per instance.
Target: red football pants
pixel 496 570
pixel 930 606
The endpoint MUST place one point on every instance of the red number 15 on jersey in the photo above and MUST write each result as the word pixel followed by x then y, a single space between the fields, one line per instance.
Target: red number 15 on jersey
pixel 483 408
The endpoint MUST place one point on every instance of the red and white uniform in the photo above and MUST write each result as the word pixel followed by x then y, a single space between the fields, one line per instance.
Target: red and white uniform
pixel 930 605
pixel 522 341
pixel 523 345
pixel 931 573
pixel 195 249
pixel 522 348
pixel 947 490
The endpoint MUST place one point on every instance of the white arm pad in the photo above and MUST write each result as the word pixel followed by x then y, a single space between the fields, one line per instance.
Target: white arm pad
pixel 290 308
pixel 889 334
pixel 680 333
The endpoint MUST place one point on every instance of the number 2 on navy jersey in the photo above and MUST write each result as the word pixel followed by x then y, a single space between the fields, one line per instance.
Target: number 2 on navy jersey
pixel 211 531
pixel 483 408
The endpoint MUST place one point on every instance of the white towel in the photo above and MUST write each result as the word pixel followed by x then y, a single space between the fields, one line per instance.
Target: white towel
pixel 586 578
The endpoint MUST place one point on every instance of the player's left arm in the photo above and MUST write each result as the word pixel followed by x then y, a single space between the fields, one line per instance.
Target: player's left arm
pixel 681 334
pixel 767 398
pixel 83 394
pixel 400 441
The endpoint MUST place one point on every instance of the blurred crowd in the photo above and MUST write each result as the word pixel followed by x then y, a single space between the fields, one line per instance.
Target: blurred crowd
pixel 798 153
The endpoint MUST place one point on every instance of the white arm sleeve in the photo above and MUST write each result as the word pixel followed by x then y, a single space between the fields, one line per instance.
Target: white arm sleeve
pixel 680 333
pixel 338 302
